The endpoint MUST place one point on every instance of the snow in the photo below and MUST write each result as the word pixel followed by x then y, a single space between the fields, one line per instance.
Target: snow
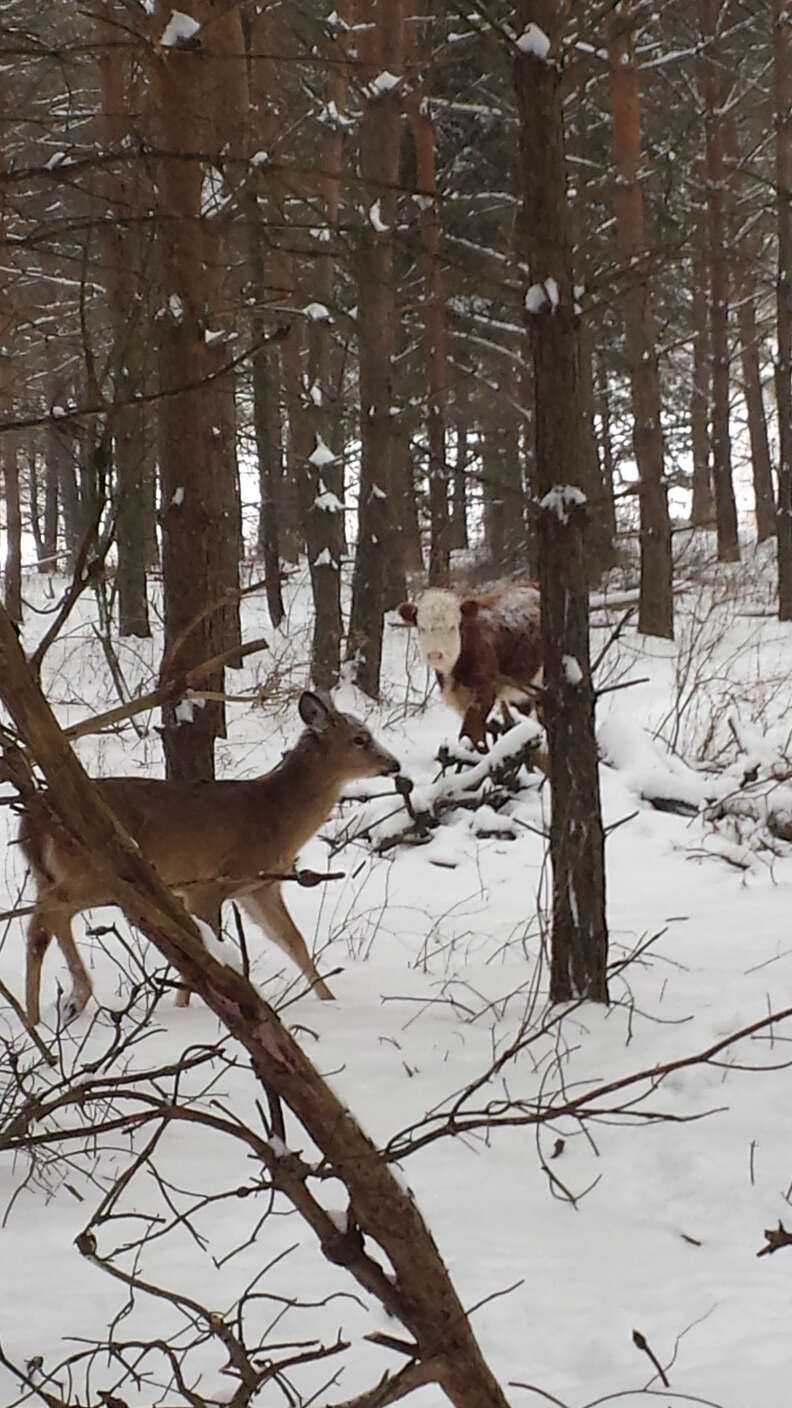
pixel 383 83
pixel 439 951
pixel 321 453
pixel 328 502
pixel 535 298
pixel 571 668
pixel 317 312
pixel 180 29
pixel 561 499
pixel 324 559
pixel 533 40
pixel 375 217
pixel 260 158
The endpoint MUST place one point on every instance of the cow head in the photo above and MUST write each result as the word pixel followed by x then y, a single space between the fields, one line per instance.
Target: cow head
pixel 437 614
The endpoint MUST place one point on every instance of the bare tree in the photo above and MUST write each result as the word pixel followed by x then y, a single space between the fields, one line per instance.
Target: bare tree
pixel 656 604
pixel 579 930
pixel 194 461
pixel 711 12
pixel 782 75
pixel 382 57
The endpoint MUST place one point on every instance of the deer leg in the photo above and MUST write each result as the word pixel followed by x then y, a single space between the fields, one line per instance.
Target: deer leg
pixel 82 987
pixel 267 907
pixel 43 928
pixel 204 905
pixel 38 941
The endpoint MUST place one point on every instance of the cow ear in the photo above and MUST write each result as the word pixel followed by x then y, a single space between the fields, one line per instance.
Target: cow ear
pixel 408 612
pixel 469 607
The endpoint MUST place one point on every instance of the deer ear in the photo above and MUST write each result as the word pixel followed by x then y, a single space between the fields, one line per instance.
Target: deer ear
pixel 469 607
pixel 314 710
pixel 408 612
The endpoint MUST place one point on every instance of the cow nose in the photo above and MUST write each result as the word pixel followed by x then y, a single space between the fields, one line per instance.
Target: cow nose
pixel 435 657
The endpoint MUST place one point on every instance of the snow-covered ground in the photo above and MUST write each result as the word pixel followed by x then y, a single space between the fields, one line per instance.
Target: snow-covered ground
pixel 648 1216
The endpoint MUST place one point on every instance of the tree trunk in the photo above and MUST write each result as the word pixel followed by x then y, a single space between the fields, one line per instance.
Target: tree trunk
pixel 291 535
pixel 744 251
pixel 382 48
pixel 782 75
pixel 192 459
pixel 656 602
pixel 44 522
pixel 260 202
pixel 459 527
pixel 504 518
pixel 434 329
pixel 605 451
pixel 714 121
pixel 579 941
pixel 702 509
pixel 382 1213
pixel 13 557
pixel 267 430
pixel 125 248
pixel 227 97
pixel 321 469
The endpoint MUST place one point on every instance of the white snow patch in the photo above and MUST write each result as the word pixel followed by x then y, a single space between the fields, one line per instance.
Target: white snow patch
pixel 321 454
pixel 328 502
pixel 375 216
pixel 571 668
pixel 533 40
pixel 561 499
pixel 383 83
pixel 180 29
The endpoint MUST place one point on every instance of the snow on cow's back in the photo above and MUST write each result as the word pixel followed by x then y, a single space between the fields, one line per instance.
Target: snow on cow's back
pixel 513 607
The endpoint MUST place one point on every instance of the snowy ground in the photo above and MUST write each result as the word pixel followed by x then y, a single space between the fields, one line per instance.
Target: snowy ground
pixel 635 1225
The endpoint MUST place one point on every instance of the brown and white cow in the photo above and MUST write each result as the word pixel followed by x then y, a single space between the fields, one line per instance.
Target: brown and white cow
pixel 483 648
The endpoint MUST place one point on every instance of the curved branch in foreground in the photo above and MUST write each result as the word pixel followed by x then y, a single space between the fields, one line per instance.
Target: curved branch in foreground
pixel 412 1282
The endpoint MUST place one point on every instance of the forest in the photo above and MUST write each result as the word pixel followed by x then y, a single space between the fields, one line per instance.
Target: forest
pixel 395 766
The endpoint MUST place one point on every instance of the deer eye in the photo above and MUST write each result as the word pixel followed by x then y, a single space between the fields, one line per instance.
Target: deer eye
pixel 361 740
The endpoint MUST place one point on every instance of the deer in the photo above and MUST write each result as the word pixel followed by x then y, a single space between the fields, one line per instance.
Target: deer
pixel 482 648
pixel 210 841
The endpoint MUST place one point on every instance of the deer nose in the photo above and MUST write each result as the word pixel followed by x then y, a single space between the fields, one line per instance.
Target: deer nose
pixel 391 767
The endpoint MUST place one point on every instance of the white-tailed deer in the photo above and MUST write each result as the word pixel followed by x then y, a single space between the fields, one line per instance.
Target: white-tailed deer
pixel 211 841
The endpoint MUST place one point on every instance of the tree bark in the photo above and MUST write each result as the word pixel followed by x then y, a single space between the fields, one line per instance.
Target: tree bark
pixel 782 83
pixel 382 1214
pixel 656 602
pixel 192 459
pixel 714 121
pixel 382 48
pixel 743 248
pixel 579 940
pixel 13 525
pixel 702 509
pixel 126 251
pixel 434 325
pixel 321 470
pixel 459 526
pixel 605 450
